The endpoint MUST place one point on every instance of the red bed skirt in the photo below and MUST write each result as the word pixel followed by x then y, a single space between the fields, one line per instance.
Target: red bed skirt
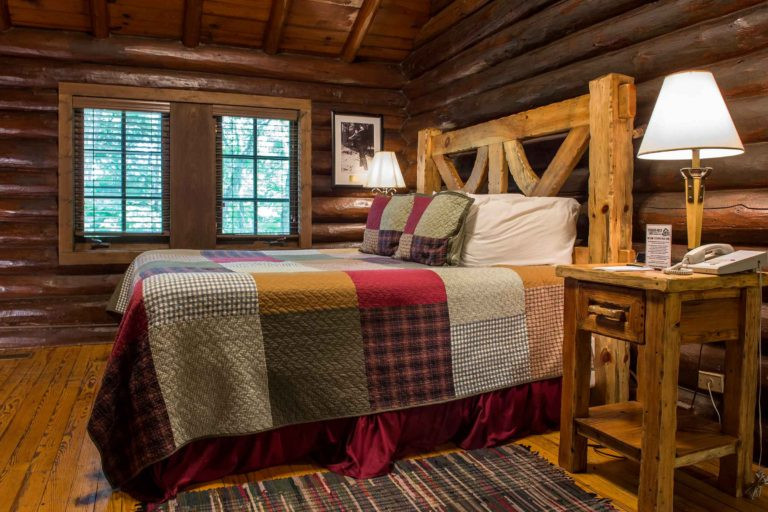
pixel 360 447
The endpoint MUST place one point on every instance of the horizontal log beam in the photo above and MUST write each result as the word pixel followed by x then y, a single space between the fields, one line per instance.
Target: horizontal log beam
pixel 29 99
pixel 468 31
pixel 623 31
pixel 34 336
pixel 17 260
pixel 730 216
pixel 340 209
pixel 446 18
pixel 28 234
pixel 322 187
pixel 45 73
pixel 26 208
pixel 14 184
pixel 59 310
pixel 702 44
pixel 547 25
pixel 52 285
pixel 157 53
pixel 28 124
pixel 749 170
pixel 337 232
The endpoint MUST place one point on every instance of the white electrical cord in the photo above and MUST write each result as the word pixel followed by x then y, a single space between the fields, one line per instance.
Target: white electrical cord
pixel 712 399
pixel 761 478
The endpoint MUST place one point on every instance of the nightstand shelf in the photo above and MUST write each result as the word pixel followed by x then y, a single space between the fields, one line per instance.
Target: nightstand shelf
pixel 620 427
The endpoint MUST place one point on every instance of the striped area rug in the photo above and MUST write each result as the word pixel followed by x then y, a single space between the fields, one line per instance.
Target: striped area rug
pixel 496 479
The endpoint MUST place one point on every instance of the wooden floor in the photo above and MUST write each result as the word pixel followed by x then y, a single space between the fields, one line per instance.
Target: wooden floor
pixel 47 462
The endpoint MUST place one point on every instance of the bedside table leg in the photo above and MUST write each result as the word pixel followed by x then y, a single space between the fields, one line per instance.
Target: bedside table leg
pixel 740 393
pixel 661 357
pixel 576 369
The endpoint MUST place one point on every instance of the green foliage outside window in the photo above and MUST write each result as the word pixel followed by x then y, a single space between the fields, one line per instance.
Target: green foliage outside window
pixel 122 171
pixel 256 170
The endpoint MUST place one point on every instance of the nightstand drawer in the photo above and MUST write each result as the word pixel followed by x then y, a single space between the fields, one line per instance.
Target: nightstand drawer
pixel 612 311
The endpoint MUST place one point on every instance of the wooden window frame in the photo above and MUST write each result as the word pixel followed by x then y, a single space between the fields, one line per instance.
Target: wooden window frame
pixel 76 95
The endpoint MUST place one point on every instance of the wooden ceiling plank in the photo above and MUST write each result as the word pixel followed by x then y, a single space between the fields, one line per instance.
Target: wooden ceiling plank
pixel 359 29
pixel 274 33
pixel 446 18
pixel 193 19
pixel 99 18
pixel 5 15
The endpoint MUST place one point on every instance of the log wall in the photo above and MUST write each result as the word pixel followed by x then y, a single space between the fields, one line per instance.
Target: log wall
pixel 44 303
pixel 468 74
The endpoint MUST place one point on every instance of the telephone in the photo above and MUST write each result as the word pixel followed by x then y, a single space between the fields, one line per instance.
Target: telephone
pixel 718 259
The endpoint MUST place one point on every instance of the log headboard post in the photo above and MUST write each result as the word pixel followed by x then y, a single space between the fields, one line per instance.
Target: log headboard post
pixel 611 121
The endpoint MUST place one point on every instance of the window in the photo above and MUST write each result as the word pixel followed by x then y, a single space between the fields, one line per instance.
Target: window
pixel 257 171
pixel 121 173
pixel 151 168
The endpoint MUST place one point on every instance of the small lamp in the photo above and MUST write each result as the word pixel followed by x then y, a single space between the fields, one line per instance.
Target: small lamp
pixel 689 122
pixel 385 175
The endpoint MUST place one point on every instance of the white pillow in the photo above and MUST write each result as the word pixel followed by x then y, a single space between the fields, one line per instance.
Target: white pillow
pixel 511 229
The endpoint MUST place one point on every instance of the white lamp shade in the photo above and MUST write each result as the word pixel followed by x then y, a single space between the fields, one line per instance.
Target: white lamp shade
pixel 385 171
pixel 690 113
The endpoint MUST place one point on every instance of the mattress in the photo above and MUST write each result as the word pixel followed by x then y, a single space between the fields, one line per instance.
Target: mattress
pixel 230 343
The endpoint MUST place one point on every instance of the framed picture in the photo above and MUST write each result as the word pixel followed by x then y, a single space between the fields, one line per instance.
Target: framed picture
pixel 356 137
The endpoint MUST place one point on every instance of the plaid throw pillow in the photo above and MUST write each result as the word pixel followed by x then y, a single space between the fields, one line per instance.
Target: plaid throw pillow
pixel 386 220
pixel 434 232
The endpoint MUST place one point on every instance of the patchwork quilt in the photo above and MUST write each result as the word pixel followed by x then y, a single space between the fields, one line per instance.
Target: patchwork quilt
pixel 223 343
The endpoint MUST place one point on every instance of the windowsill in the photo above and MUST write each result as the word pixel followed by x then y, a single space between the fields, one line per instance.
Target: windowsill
pixel 116 254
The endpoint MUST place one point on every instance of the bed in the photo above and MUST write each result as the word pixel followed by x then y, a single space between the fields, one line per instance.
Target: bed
pixel 228 361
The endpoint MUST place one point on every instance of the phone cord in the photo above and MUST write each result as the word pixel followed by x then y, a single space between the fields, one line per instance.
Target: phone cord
pixel 679 269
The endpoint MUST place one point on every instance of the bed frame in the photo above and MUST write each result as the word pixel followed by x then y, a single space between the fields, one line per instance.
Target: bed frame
pixel 601 121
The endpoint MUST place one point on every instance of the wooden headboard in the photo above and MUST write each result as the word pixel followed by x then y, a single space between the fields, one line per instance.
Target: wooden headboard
pixel 601 120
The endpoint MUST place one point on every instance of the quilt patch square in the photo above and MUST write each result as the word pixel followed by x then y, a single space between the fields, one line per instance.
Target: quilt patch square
pixel 489 354
pixel 229 256
pixel 317 367
pixel 308 291
pixel 202 294
pixel 544 318
pixel 395 287
pixel 407 354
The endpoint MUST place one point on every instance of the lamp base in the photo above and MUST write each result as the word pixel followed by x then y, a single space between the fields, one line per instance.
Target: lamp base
pixel 386 191
pixel 694 202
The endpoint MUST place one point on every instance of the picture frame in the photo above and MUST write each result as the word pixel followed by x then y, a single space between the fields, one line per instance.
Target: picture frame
pixel 355 139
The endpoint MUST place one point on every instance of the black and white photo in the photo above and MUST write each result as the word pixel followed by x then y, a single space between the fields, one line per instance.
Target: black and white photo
pixel 356 138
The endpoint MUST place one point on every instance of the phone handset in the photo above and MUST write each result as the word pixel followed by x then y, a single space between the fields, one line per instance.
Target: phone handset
pixel 697 255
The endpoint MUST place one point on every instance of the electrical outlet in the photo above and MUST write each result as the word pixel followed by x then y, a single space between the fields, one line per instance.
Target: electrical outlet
pixel 716 381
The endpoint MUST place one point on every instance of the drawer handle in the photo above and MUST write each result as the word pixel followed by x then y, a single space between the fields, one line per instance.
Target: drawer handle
pixel 617 315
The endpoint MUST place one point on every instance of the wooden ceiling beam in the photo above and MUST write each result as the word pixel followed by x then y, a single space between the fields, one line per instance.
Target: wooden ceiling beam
pixel 5 15
pixel 359 29
pixel 193 20
pixel 99 18
pixel 274 33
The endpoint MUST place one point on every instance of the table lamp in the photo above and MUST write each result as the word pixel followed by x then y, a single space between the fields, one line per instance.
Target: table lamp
pixel 385 175
pixel 689 122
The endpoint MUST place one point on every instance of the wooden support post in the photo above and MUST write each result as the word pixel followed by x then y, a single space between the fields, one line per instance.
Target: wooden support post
pixel 427 175
pixel 575 403
pixel 611 158
pixel 740 394
pixel 498 177
pixel 99 18
pixel 661 358
pixel 5 16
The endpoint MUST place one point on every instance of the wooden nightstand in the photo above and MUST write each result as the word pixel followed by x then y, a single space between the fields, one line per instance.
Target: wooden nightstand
pixel 659 312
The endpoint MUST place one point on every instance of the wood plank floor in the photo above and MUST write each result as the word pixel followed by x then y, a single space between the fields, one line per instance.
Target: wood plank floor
pixel 48 463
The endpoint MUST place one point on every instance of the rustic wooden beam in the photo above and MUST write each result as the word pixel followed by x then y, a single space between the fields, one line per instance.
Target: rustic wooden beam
pixel 446 18
pixel 340 209
pixel 170 55
pixel 427 174
pixel 337 232
pixel 521 170
pixel 473 28
pixel 498 177
pixel 479 174
pixel 5 15
pixel 99 18
pixel 529 33
pixel 359 29
pixel 448 172
pixel 566 158
pixel 723 38
pixel 193 20
pixel 278 14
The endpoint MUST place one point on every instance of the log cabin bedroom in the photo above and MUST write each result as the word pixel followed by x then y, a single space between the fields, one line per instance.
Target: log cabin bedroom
pixel 383 255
